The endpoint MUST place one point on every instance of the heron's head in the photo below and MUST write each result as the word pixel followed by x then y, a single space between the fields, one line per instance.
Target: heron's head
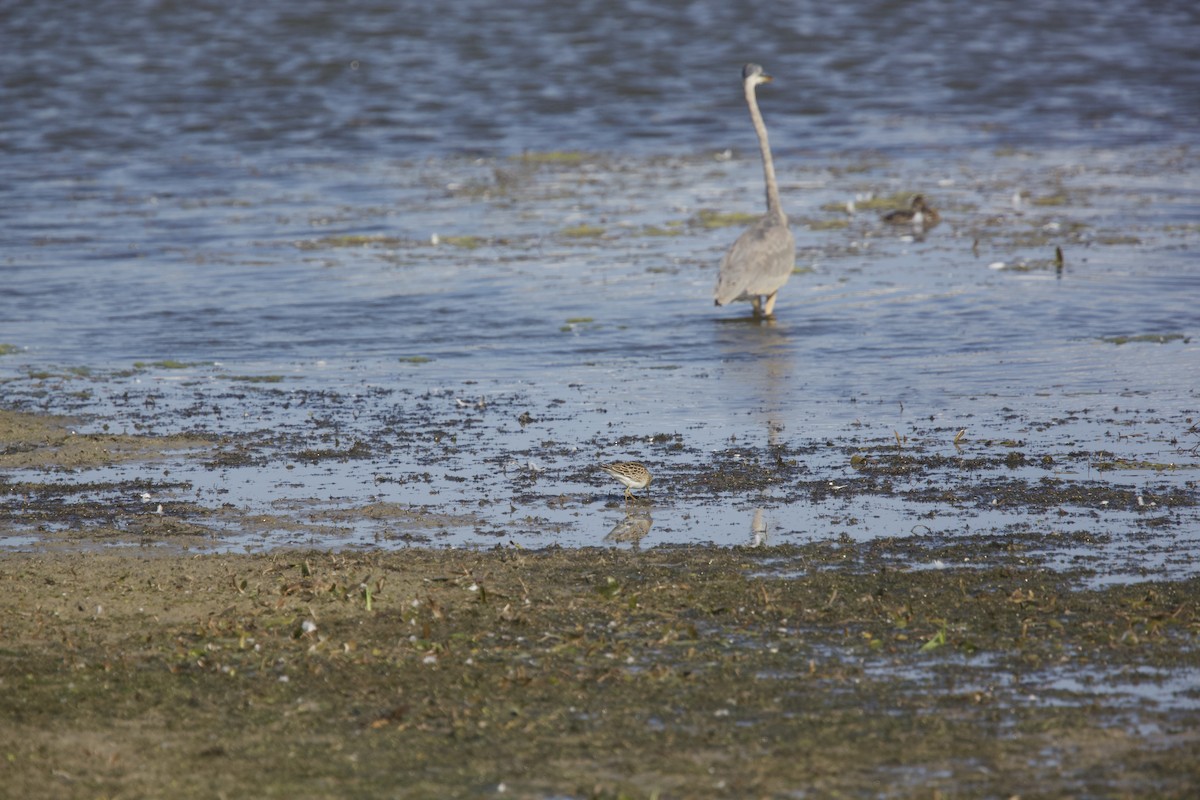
pixel 753 74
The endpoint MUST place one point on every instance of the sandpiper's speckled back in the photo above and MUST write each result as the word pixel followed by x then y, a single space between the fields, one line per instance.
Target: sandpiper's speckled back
pixel 630 473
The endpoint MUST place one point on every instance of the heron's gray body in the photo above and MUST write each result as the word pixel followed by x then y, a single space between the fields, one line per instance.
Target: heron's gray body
pixel 763 257
pixel 760 261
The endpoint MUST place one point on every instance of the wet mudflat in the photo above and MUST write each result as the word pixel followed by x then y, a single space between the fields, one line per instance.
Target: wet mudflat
pixel 822 670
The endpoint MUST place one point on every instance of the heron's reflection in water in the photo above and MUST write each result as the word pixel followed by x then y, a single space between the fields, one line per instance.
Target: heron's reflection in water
pixel 632 529
pixel 758 529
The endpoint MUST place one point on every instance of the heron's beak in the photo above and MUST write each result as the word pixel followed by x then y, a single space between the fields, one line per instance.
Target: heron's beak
pixel 766 78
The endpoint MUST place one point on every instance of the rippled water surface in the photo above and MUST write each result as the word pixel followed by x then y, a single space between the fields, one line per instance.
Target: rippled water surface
pixel 499 212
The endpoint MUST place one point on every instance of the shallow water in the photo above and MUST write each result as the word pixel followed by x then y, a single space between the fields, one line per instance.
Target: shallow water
pixel 333 200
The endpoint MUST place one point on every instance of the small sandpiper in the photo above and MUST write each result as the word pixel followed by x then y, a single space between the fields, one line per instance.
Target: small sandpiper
pixel 630 473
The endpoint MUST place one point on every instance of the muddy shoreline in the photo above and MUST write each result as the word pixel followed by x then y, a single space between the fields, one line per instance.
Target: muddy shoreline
pixel 134 663
pixel 674 672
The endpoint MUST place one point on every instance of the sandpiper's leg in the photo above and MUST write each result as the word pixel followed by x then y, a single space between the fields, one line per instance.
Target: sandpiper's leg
pixel 770 304
pixel 628 494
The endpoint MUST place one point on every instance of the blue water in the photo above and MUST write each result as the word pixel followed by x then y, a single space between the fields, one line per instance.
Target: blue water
pixel 219 80
pixel 174 179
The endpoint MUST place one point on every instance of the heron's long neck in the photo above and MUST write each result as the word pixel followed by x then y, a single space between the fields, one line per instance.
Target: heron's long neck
pixel 773 206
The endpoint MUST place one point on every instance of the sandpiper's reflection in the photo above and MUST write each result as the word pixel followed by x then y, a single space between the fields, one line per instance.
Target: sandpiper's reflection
pixel 632 529
pixel 758 529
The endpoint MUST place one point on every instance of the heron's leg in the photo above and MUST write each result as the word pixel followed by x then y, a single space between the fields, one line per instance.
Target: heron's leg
pixel 756 302
pixel 770 304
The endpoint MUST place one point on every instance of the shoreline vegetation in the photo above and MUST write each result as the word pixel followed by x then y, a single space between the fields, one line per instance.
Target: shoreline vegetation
pixel 673 672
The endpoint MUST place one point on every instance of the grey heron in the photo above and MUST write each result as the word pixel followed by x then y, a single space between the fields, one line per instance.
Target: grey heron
pixel 763 257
